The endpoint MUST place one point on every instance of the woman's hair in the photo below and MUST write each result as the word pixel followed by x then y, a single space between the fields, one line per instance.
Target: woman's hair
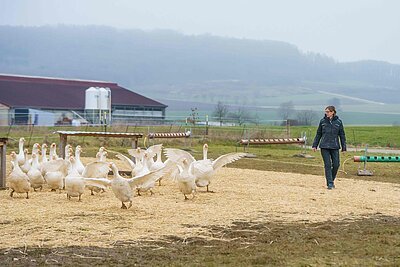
pixel 331 108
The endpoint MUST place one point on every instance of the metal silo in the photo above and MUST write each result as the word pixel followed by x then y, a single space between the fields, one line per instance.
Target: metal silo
pixel 104 105
pixel 92 96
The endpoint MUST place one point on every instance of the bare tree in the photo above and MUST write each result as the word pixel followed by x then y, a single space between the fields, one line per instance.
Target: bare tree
pixel 220 112
pixel 306 117
pixel 193 117
pixel 241 116
pixel 285 110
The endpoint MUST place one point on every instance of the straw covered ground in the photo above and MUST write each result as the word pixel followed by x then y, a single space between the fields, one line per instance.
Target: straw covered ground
pixel 48 219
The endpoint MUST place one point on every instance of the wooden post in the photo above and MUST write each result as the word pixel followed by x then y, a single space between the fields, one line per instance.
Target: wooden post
pixel 63 143
pixel 206 125
pixel 3 153
pixel 288 128
pixel 135 142
pixel 123 140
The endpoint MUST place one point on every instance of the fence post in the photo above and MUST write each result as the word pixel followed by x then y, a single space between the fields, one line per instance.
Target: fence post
pixel 288 128
pixel 30 135
pixel 206 125
pixel 63 143
pixel 3 149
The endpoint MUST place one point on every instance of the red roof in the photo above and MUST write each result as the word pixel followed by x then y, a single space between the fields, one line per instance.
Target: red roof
pixel 55 93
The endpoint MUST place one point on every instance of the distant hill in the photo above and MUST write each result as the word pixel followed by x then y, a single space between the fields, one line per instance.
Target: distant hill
pixel 201 68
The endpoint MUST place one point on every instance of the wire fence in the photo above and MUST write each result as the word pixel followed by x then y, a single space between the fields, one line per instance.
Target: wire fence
pixel 198 133
pixel 38 126
pixel 75 118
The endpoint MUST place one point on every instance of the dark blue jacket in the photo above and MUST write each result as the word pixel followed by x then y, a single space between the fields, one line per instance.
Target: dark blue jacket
pixel 328 134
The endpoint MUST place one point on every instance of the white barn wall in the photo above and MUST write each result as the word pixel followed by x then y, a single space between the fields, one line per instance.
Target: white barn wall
pixel 4 118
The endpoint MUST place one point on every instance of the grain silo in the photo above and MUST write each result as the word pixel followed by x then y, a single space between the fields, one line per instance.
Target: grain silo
pixel 104 104
pixel 98 105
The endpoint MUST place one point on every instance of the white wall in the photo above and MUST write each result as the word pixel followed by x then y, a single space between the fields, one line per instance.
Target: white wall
pixel 4 115
pixel 42 118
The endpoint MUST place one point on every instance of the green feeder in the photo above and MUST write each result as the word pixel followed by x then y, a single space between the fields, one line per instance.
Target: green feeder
pixel 376 159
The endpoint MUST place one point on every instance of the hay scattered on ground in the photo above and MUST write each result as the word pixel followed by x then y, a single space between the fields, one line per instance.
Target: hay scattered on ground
pixel 49 219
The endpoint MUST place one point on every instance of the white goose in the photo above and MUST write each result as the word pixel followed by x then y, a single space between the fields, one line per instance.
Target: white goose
pixel 122 187
pixel 59 164
pixel 78 163
pixel 152 152
pixel 75 183
pixel 138 154
pixel 185 178
pixel 35 175
pixel 145 165
pixel 102 154
pixel 36 148
pixel 27 165
pixel 205 176
pixel 54 172
pixel 141 168
pixel 205 169
pixel 55 180
pixel 53 152
pixel 44 153
pixel 18 181
pixel 21 153
pixel 126 159
pixel 97 169
pixel 68 151
pixel 135 170
pixel 149 184
pixel 158 164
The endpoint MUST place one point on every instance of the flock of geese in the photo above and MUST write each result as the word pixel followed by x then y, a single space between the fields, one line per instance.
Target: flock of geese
pixel 147 168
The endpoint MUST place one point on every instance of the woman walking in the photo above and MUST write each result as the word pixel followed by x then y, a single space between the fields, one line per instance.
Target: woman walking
pixel 329 131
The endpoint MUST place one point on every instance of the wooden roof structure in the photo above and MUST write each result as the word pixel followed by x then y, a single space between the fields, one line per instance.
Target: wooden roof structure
pixel 56 93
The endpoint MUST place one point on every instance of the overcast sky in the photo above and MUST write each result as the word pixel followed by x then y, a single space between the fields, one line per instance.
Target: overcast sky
pixel 346 30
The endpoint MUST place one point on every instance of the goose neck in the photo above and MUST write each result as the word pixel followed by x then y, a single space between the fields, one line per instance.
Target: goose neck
pixel 21 146
pixel 205 150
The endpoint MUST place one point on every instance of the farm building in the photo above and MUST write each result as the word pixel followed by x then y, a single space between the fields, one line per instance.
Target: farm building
pixel 56 101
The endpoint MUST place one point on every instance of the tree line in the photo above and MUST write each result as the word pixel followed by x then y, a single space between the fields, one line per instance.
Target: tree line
pixel 136 57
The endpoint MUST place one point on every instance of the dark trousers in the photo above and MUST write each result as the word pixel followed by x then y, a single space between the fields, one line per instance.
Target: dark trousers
pixel 331 164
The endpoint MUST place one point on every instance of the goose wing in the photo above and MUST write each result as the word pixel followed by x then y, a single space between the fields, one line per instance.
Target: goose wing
pixel 136 152
pixel 56 165
pixel 97 169
pixel 227 158
pixel 126 159
pixel 154 149
pixel 177 154
pixel 173 169
pixel 98 182
pixel 147 178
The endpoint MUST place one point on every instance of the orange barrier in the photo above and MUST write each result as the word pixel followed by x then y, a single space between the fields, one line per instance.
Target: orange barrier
pixel 270 141
pixel 169 135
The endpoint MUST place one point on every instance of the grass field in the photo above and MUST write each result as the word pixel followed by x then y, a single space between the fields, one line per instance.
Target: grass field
pixel 370 240
pixel 378 136
pixel 265 115
pixel 357 103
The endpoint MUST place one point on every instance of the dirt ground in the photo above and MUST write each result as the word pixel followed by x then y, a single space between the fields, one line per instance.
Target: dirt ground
pixel 49 220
